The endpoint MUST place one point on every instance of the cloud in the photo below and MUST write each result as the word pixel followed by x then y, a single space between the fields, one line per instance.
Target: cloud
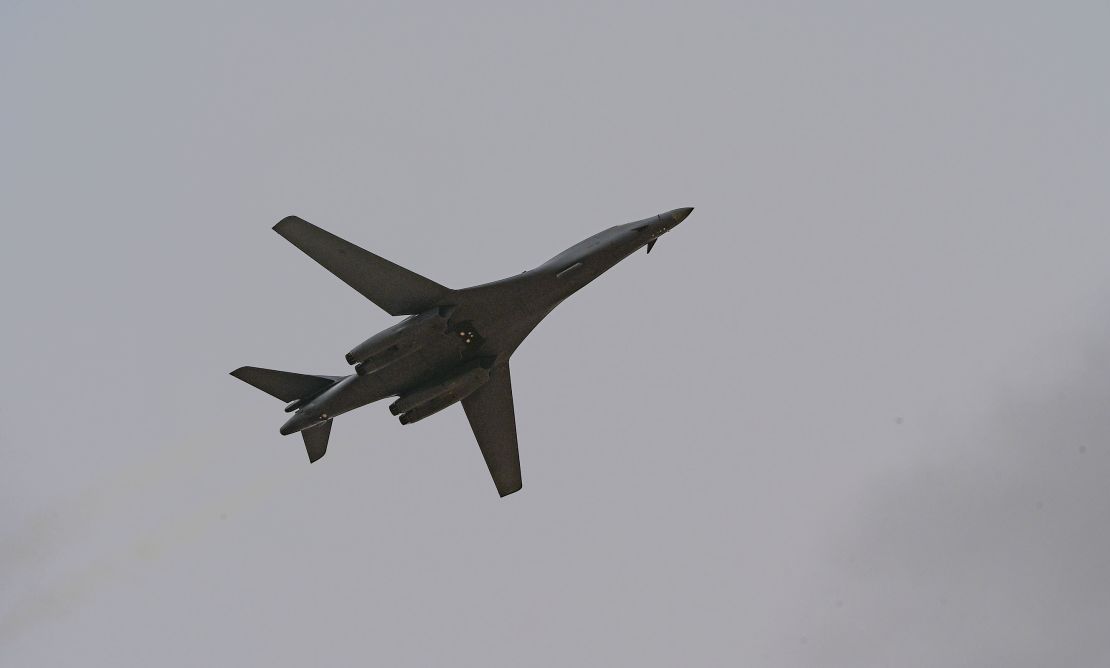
pixel 73 589
pixel 992 550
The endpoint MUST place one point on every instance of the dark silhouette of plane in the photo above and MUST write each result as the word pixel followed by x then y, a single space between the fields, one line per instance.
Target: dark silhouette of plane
pixel 454 346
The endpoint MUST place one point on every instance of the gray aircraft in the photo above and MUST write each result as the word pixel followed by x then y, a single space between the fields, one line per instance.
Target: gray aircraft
pixel 454 346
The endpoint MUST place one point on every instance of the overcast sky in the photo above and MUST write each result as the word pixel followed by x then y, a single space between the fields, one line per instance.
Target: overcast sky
pixel 853 412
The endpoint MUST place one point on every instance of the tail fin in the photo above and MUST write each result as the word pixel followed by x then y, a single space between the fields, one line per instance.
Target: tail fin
pixel 294 387
pixel 316 440
pixel 285 385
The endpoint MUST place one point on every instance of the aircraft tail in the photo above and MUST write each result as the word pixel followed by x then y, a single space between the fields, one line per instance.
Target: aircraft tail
pixel 285 385
pixel 316 440
pixel 298 388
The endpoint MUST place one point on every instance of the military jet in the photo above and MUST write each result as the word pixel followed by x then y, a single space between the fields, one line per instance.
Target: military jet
pixel 453 347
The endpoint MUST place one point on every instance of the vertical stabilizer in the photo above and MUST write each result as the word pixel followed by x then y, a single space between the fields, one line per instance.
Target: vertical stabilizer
pixel 316 440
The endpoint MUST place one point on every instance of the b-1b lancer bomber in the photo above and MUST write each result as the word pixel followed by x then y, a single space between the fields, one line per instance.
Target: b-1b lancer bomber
pixel 453 347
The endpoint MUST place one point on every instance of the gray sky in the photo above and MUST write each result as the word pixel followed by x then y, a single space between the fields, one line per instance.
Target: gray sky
pixel 851 413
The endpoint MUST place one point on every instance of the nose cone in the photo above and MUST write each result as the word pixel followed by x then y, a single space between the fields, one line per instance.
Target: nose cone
pixel 679 215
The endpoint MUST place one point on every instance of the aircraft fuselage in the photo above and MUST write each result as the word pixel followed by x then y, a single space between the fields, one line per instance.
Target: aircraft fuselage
pixel 473 328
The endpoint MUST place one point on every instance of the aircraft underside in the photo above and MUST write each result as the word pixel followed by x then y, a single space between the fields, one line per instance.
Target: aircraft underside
pixel 454 347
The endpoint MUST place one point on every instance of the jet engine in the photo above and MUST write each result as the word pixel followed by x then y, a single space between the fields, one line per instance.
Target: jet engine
pixel 400 340
pixel 431 399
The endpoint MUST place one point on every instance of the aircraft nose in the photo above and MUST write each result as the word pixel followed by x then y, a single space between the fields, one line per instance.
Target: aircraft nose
pixel 679 215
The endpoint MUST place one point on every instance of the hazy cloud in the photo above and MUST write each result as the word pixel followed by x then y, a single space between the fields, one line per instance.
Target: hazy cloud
pixel 991 548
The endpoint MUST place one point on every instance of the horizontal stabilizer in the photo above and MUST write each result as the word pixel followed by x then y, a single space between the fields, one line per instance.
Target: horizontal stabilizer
pixel 316 440
pixel 285 385
pixel 392 287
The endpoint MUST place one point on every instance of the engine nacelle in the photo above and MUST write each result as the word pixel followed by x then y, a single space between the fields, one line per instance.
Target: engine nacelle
pixel 380 360
pixel 433 398
pixel 424 410
pixel 392 344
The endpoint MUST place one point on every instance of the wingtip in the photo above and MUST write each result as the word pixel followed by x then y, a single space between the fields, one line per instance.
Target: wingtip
pixel 506 492
pixel 286 222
